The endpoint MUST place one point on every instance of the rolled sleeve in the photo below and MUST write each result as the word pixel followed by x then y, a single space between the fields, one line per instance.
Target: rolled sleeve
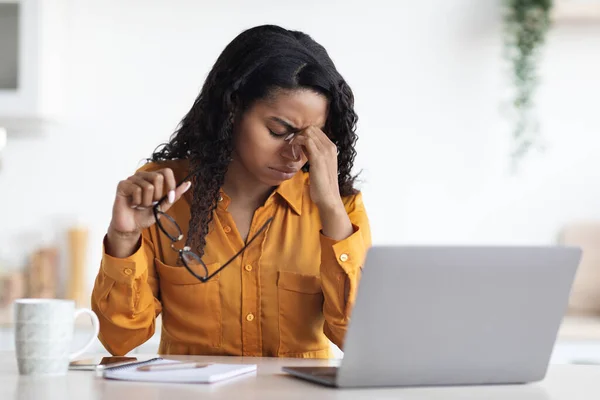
pixel 126 298
pixel 347 253
pixel 126 270
pixel 341 264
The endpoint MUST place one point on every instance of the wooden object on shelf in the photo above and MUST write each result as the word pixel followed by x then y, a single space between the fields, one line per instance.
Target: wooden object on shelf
pixel 12 287
pixel 585 292
pixel 575 328
pixel 42 274
pixel 77 247
pixel 576 11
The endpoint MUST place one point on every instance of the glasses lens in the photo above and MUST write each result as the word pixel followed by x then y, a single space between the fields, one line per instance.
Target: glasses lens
pixel 169 226
pixel 194 263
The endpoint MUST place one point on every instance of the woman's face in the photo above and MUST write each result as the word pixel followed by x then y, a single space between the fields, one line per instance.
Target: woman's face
pixel 260 145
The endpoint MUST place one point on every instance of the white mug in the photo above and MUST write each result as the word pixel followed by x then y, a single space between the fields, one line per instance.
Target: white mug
pixel 44 333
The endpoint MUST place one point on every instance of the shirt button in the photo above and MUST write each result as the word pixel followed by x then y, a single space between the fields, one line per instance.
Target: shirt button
pixel 250 317
pixel 127 271
pixel 227 229
pixel 343 257
pixel 248 267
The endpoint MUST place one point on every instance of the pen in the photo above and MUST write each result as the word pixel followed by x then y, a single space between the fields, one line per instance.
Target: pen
pixel 172 366
pixel 108 367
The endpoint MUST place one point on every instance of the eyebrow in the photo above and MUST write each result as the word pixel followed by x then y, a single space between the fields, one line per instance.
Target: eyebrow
pixel 291 128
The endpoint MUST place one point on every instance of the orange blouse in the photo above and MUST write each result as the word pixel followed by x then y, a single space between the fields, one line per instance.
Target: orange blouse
pixel 289 292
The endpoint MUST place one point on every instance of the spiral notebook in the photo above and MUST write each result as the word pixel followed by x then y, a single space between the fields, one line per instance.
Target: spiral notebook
pixel 208 374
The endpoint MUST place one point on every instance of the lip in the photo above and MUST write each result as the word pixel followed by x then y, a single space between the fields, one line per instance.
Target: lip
pixel 284 173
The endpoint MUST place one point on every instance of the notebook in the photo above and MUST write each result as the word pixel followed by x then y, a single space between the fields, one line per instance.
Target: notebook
pixel 210 373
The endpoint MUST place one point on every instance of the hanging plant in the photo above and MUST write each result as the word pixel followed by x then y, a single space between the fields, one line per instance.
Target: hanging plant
pixel 526 23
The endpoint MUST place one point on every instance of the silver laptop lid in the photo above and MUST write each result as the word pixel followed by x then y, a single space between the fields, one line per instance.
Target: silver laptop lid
pixel 456 315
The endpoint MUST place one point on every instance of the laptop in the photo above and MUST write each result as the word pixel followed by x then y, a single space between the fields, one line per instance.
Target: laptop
pixel 428 316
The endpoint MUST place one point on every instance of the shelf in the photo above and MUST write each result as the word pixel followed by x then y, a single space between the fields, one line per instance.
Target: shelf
pixel 572 328
pixel 580 328
pixel 6 319
pixel 26 127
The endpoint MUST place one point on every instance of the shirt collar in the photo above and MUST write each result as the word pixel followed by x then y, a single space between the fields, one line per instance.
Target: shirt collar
pixel 292 190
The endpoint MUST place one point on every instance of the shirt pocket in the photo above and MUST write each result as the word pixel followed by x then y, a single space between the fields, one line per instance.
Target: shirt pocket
pixel 191 309
pixel 300 314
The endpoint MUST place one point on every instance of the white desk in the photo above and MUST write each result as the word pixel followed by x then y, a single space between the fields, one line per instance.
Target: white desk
pixel 578 340
pixel 563 382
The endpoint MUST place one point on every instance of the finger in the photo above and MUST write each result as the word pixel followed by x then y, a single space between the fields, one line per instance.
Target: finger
pixel 318 134
pixel 309 136
pixel 308 145
pixel 155 179
pixel 181 189
pixel 170 184
pixel 131 191
pixel 323 141
pixel 163 181
pixel 147 190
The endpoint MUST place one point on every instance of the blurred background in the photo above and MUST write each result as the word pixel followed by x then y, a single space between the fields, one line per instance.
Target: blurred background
pixel 88 88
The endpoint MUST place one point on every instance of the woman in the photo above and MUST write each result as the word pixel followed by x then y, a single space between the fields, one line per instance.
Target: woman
pixel 256 184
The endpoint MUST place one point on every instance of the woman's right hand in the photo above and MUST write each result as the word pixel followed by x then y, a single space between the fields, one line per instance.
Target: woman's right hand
pixel 132 209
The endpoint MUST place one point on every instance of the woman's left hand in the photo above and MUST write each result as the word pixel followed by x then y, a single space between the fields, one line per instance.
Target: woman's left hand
pixel 322 155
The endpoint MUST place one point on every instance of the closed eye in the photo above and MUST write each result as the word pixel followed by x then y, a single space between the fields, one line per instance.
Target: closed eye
pixel 279 135
pixel 287 126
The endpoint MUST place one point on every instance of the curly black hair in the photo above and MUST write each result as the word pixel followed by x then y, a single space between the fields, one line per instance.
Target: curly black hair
pixel 253 66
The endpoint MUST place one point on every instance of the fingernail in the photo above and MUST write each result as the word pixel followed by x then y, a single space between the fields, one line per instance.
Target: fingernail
pixel 288 137
pixel 154 203
pixel 189 185
pixel 134 206
pixel 171 196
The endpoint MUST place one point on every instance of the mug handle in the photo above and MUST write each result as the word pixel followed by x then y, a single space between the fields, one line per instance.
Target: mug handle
pixel 95 325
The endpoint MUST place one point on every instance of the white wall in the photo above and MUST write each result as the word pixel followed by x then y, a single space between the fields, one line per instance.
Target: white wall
pixel 429 81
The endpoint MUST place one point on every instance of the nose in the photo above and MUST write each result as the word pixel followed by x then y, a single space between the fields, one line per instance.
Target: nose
pixel 290 151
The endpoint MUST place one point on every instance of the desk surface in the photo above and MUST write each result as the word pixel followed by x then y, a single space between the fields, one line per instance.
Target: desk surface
pixel 562 382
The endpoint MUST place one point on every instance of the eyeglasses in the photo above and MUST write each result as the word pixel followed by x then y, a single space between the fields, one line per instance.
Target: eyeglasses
pixel 190 260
